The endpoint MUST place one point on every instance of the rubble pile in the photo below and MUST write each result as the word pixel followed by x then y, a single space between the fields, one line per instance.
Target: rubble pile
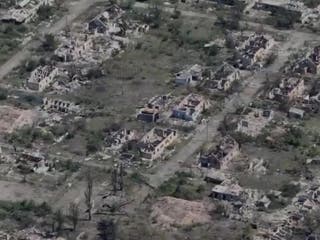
pixel 169 212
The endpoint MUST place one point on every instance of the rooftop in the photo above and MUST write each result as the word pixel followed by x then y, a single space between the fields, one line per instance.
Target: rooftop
pixel 231 189
pixel 224 71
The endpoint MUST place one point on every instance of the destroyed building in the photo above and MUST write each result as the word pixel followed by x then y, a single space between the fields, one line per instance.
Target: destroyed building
pixel 289 89
pixel 28 162
pixel 255 50
pixel 112 23
pixel 304 66
pixel 221 155
pixel 115 140
pixel 231 193
pixel 190 76
pixel 296 9
pixel 53 104
pixel 103 37
pixel 85 48
pixel 315 56
pixel 223 78
pixel 308 65
pixel 42 77
pixel 24 11
pixel 108 22
pixel 154 143
pixel 296 113
pixel 151 111
pixel 190 108
pixel 254 121
pixel 74 47
pixel 293 8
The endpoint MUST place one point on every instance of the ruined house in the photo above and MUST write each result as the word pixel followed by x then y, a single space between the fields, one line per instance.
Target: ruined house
pixel 115 140
pixel 289 89
pixel 74 47
pixel 148 114
pixel 52 104
pixel 292 8
pixel 221 155
pixel 231 193
pixel 154 143
pixel 254 50
pixel 108 22
pixel 223 78
pixel 42 77
pixel 308 65
pixel 315 57
pixel 190 108
pixel 254 121
pixel 31 156
pixel 296 113
pixel 151 111
pixel 304 66
pixel 24 11
pixel 190 76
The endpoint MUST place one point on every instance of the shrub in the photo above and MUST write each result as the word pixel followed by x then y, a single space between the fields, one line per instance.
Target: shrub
pixel 311 3
pixel 289 190
pixel 23 211
pixel 31 65
pixel 49 43
pixel 179 186
pixel 3 94
pixel 94 142
pixel 44 12
pixel 68 165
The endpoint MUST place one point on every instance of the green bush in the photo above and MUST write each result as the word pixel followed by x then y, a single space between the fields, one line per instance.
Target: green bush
pixel 49 43
pixel 26 136
pixel 45 12
pixel 68 165
pixel 3 94
pixel 289 190
pixel 311 3
pixel 180 186
pixel 94 141
pixel 23 211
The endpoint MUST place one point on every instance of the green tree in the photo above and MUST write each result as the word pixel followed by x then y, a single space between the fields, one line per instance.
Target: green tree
pixel 154 13
pixel 44 12
pixel 49 43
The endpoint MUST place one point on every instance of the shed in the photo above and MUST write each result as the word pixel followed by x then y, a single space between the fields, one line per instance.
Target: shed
pixel 296 113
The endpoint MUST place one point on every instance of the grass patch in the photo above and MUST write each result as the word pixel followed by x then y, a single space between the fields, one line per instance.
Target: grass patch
pixel 182 186
pixel 23 212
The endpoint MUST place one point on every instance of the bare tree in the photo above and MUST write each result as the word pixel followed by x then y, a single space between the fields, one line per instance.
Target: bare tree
pixel 74 214
pixel 58 3
pixel 106 229
pixel 88 195
pixel 58 218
